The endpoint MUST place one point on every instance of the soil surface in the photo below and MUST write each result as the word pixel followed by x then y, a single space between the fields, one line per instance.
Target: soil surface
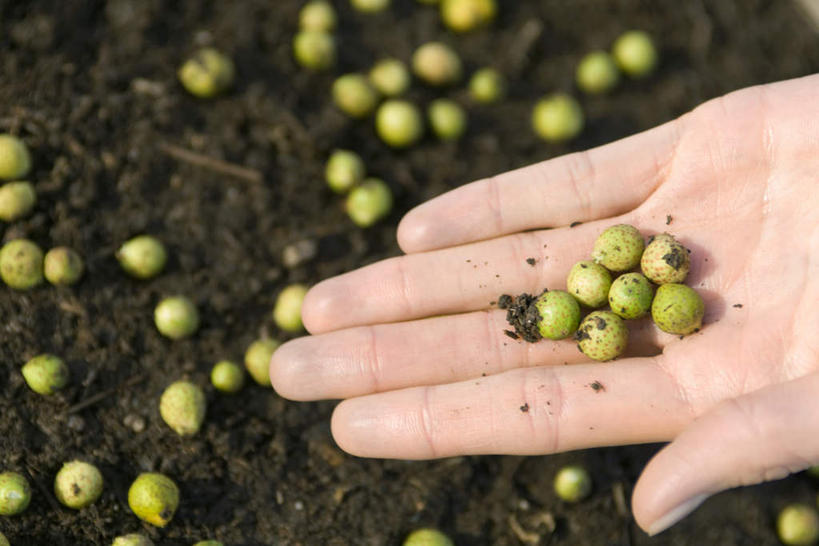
pixel 91 87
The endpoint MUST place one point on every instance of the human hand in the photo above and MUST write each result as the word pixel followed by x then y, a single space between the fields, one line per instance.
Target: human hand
pixel 427 372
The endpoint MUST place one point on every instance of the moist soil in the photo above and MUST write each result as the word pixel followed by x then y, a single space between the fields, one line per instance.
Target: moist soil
pixel 119 149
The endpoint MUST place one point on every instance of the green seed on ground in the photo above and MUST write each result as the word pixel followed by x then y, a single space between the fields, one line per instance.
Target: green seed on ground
pixel 314 49
pixel 635 54
pixel 631 295
pixel 573 483
pixel 559 314
pixel 17 200
pixel 15 493
pixel 798 524
pixel 557 118
pixel 437 64
pixel 182 407
pixel 467 15
pixel 354 95
pixel 447 119
pixel 399 123
pixel 45 374
pixel 176 317
pixel 62 266
pixel 370 6
pixel 318 15
pixel 665 260
pixel 257 360
pixel 487 85
pixel 427 537
pixel 142 257
pixel 227 376
pixel 602 336
pixel 21 264
pixel 369 202
pixel 390 77
pixel 344 170
pixel 207 74
pixel 154 498
pixel 134 539
pixel 597 73
pixel 15 160
pixel 78 484
pixel 677 309
pixel 619 248
pixel 287 311
pixel 589 283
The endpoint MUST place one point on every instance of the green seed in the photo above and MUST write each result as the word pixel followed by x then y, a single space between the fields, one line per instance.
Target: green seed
pixel 208 543
pixel 142 257
pixel 572 483
pixel 257 360
pixel 182 407
pixel 619 248
pixel 447 119
pixel 207 74
pixel 798 524
pixel 317 15
pixel 635 54
pixel 78 484
pixel 133 539
pixel 287 311
pixel 398 123
pixel 176 317
pixel 589 283
pixel 354 95
pixel 62 266
pixel 631 295
pixel 390 77
pixel 427 537
pixel 45 374
pixel 15 161
pixel 487 85
pixel 17 200
pixel 467 15
pixel 3 540
pixel 677 309
pixel 597 73
pixel 665 260
pixel 227 376
pixel 154 498
pixel 814 471
pixel 370 6
pixel 437 64
pixel 344 170
pixel 557 118
pixel 21 264
pixel 369 202
pixel 15 493
pixel 559 314
pixel 602 336
pixel 314 49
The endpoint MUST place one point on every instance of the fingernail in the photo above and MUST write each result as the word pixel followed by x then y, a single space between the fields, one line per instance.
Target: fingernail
pixel 675 514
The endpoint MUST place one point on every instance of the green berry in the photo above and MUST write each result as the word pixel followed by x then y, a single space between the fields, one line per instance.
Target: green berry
pixel 207 74
pixel 572 483
pixel 370 6
pixel 814 471
pixel 487 85
pixel 16 200
pixel 354 95
pixel 597 73
pixel 398 123
pixel 287 311
pixel 134 539
pixel 619 248
pixel 390 77
pixel 665 260
pixel 677 309
pixel 15 161
pixel 559 314
pixel 15 493
pixel 62 265
pixel 78 484
pixel 344 170
pixel 437 64
pixel 467 15
pixel 142 257
pixel 314 49
pixel 208 543
pixel 798 524
pixel 602 335
pixel 635 54
pixel 557 118
pixel 154 498
pixel 369 202
pixel 589 283
pixel 447 119
pixel 3 540
pixel 21 264
pixel 45 374
pixel 227 376
pixel 427 537
pixel 318 15
pixel 176 317
pixel 257 360
pixel 182 407
pixel 631 295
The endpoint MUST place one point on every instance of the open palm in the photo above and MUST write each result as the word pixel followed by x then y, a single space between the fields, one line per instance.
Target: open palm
pixel 415 346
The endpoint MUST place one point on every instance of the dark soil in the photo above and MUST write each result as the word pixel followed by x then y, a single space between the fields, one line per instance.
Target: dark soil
pixel 90 86
pixel 522 315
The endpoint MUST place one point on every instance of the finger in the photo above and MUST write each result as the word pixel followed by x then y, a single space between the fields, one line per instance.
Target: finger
pixel 439 350
pixel 757 437
pixel 523 411
pixel 578 187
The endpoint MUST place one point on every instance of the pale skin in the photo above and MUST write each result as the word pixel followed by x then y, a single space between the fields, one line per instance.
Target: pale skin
pixel 419 356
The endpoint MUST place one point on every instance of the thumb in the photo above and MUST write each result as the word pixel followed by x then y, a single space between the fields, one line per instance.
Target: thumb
pixel 764 435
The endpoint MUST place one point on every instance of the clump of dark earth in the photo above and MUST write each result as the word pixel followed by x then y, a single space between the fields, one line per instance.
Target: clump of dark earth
pixel 522 315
